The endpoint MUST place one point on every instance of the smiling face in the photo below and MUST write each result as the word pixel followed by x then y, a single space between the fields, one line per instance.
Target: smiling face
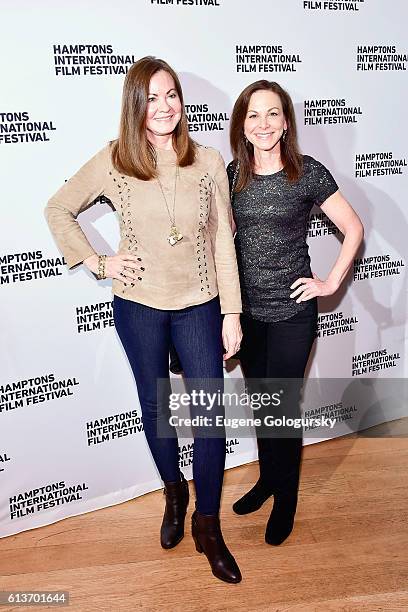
pixel 264 121
pixel 164 105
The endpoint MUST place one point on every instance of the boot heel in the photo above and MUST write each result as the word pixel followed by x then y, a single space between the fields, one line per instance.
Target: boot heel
pixel 198 545
pixel 208 539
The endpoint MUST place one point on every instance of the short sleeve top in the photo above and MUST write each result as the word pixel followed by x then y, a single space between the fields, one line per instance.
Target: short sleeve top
pixel 271 215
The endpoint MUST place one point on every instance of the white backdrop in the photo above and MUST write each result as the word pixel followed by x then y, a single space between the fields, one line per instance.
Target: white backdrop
pixel 62 366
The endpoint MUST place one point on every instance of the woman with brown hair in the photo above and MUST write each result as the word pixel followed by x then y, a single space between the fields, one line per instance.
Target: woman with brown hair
pixel 274 189
pixel 174 275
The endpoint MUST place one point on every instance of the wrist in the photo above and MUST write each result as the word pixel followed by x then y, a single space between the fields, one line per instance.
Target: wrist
pixel 91 260
pixel 333 283
pixel 232 316
pixel 92 263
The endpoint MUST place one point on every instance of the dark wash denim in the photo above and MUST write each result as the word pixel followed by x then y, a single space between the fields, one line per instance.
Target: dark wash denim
pixel 196 333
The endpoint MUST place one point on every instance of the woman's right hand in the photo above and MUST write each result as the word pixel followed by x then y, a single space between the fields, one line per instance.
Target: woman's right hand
pixel 123 266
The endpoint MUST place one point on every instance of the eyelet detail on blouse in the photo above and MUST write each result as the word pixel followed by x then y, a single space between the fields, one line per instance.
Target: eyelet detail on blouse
pixel 126 221
pixel 204 198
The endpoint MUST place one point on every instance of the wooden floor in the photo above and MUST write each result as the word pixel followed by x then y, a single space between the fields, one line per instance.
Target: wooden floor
pixel 348 551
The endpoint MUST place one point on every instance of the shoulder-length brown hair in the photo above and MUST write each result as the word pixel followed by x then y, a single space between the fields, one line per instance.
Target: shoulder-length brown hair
pixel 132 153
pixel 243 150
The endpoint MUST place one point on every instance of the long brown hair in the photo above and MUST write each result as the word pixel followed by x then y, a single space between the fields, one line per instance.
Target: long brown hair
pixel 243 150
pixel 132 153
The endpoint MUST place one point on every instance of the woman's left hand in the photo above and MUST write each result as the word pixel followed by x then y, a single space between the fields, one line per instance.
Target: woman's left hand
pixel 231 335
pixel 308 288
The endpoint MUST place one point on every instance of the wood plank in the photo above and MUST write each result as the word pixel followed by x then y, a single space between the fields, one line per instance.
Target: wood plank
pixel 348 550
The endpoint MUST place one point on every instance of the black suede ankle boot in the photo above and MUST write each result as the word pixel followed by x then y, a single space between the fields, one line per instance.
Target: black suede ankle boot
pixel 253 499
pixel 281 520
pixel 177 497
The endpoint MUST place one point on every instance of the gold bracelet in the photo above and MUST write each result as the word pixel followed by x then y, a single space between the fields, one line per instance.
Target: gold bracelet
pixel 101 267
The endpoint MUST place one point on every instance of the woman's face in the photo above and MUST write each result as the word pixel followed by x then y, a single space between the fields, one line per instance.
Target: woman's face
pixel 164 105
pixel 264 122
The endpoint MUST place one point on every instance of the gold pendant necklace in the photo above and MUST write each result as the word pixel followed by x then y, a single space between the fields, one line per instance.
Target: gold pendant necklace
pixel 175 235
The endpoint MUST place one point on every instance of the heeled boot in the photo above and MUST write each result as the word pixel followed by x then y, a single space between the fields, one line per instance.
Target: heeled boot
pixel 254 499
pixel 282 518
pixel 207 535
pixel 177 498
pixel 264 487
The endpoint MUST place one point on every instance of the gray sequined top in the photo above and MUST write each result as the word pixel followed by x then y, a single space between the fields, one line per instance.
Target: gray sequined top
pixel 271 216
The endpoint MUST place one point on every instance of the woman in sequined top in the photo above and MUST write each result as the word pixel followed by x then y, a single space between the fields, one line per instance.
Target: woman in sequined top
pixel 174 275
pixel 275 188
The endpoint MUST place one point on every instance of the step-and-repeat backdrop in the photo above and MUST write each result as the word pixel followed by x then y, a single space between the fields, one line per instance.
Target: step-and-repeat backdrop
pixel 71 436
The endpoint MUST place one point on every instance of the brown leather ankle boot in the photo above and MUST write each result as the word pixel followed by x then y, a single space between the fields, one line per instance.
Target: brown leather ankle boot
pixel 177 497
pixel 206 531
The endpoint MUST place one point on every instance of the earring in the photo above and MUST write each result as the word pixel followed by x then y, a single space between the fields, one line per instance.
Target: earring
pixel 245 140
pixel 284 135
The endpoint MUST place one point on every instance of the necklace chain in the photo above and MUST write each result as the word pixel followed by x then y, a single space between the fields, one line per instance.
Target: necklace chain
pixel 171 217
pixel 175 235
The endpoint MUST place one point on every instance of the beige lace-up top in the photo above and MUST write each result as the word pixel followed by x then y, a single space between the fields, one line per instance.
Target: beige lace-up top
pixel 193 271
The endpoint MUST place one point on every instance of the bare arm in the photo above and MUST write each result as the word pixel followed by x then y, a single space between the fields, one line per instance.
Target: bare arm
pixel 338 210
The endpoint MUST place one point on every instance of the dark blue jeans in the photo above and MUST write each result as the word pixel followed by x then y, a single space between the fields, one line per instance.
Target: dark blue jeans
pixel 146 334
